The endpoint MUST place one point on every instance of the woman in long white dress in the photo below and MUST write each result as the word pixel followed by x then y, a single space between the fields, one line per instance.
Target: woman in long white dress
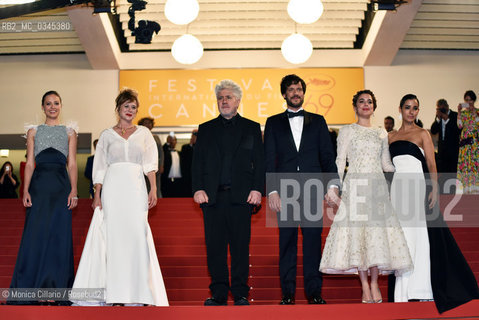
pixel 408 191
pixel 365 236
pixel 119 253
pixel 440 270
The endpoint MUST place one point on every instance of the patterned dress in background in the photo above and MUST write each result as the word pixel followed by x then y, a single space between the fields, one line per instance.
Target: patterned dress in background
pixel 468 162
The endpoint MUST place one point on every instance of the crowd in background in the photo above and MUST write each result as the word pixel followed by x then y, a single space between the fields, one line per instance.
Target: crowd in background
pixel 457 154
pixel 456 136
pixel 223 168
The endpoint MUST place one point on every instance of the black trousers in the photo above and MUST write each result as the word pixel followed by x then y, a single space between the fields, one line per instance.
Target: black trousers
pixel 227 224
pixel 288 256
pixel 172 188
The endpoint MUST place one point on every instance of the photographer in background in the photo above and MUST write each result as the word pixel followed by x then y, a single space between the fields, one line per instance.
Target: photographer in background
pixel 448 141
pixel 8 182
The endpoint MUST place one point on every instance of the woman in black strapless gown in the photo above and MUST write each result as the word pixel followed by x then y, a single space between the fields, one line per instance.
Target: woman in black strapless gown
pixel 446 277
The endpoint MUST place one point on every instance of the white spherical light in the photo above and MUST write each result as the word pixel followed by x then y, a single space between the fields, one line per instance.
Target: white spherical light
pixel 305 11
pixel 296 48
pixel 181 11
pixel 187 49
pixel 5 2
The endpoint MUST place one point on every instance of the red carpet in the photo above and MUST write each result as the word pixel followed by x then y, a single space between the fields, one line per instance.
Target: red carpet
pixel 178 231
pixel 419 310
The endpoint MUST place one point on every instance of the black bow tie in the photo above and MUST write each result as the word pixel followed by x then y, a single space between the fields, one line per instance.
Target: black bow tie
pixel 300 113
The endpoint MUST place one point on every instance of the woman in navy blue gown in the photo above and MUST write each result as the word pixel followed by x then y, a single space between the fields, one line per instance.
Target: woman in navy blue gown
pixel 440 270
pixel 45 257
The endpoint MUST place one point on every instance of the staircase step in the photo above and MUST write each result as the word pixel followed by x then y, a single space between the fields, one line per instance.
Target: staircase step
pixel 265 282
pixel 177 226
pixel 194 260
pixel 257 294
pixel 261 302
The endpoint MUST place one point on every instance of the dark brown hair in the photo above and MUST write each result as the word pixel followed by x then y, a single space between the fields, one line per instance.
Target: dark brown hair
pixel 125 96
pixel 442 103
pixel 142 121
pixel 49 93
pixel 289 80
pixel 365 91
pixel 4 165
pixel 470 94
pixel 407 97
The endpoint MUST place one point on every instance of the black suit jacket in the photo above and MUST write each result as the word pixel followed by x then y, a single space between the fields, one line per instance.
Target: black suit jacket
pixel 315 153
pixel 88 173
pixel 167 161
pixel 448 147
pixel 186 159
pixel 248 160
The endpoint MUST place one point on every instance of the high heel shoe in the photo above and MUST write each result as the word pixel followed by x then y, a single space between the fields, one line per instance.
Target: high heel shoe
pixel 380 300
pixel 366 300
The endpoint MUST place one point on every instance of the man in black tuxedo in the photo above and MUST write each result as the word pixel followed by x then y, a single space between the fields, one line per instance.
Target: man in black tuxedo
pixel 227 180
pixel 448 142
pixel 171 179
pixel 89 169
pixel 186 159
pixel 150 124
pixel 297 141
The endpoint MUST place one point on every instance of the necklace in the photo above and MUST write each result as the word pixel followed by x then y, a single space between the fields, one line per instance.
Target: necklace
pixel 123 130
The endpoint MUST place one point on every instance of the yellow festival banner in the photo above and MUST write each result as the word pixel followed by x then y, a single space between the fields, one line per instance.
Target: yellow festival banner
pixel 186 97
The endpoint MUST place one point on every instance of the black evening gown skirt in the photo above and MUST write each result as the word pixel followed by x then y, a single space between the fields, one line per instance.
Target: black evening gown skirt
pixel 453 282
pixel 45 257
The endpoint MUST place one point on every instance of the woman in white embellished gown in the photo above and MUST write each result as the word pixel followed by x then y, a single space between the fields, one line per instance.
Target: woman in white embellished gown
pixel 119 253
pixel 365 236
pixel 440 270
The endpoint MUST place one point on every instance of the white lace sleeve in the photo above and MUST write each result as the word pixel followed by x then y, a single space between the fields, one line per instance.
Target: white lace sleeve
pixel 72 128
pixel 385 155
pixel 100 160
pixel 27 127
pixel 150 156
pixel 344 137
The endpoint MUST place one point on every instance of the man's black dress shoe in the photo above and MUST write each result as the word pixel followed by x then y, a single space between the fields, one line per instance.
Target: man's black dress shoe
pixel 241 302
pixel 214 302
pixel 316 300
pixel 287 299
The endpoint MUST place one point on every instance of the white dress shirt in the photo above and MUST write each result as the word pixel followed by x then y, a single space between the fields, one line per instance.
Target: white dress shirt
pixel 443 124
pixel 296 124
pixel 175 170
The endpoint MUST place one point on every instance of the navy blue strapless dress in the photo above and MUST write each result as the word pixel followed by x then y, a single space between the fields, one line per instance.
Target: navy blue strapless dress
pixel 45 257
